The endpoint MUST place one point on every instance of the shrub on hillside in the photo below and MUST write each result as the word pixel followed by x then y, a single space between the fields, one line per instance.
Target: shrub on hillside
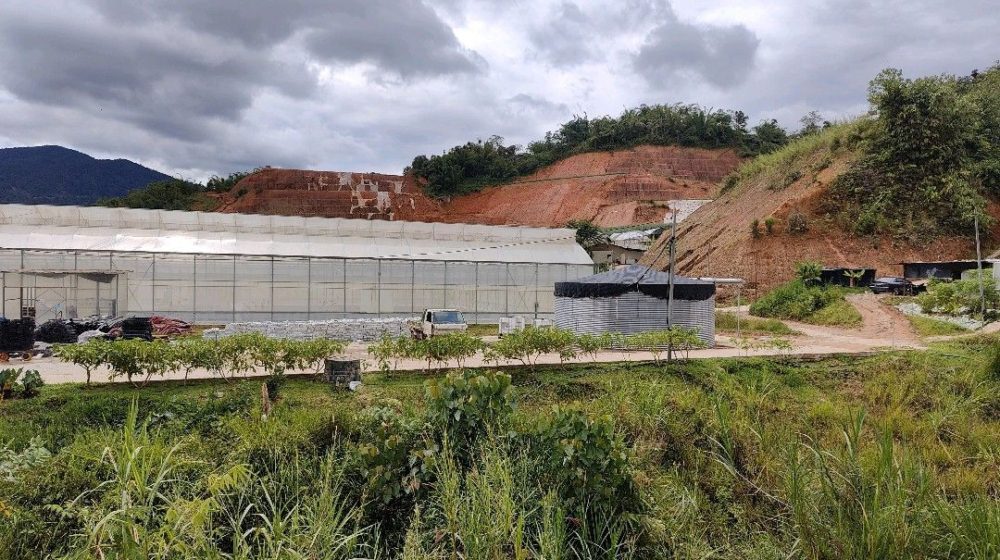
pixel 929 157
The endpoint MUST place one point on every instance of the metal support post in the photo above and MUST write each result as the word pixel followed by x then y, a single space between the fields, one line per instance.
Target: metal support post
pixel 194 296
pixel 670 293
pixel 234 288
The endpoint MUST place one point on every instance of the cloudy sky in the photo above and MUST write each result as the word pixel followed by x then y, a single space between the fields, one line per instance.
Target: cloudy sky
pixel 196 88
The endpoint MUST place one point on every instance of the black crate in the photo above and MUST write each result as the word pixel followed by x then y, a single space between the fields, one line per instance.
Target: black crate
pixel 17 335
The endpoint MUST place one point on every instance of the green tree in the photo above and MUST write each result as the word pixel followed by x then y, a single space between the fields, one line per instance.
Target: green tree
pixel 587 234
pixel 171 194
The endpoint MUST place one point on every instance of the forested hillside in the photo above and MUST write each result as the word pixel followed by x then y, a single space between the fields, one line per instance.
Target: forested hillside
pixel 470 167
pixel 903 183
pixel 930 156
pixel 57 175
pixel 176 194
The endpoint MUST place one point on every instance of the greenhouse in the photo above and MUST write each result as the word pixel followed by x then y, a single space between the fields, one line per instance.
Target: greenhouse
pixel 633 299
pixel 65 261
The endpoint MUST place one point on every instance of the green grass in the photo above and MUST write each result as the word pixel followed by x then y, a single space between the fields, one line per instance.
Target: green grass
pixel 894 300
pixel 929 326
pixel 840 313
pixel 890 456
pixel 489 329
pixel 726 321
pixel 805 155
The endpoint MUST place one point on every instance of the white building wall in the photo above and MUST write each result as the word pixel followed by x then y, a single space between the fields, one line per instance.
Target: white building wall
pixel 214 268
pixel 219 288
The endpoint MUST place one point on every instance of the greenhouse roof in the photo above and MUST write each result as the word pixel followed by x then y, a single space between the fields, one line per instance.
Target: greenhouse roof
pixel 164 231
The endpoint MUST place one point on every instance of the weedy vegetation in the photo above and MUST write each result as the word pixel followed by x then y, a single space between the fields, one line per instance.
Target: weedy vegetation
pixel 891 456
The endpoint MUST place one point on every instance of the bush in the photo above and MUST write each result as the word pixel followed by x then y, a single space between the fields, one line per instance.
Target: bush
pixel 236 354
pixel 31 383
pixel 446 348
pixel 769 225
pixel 797 222
pixel 89 356
pixel 655 342
pixel 960 297
pixel 809 272
pixel 385 453
pixel 388 350
pixel 729 183
pixel 789 179
pixel 794 300
pixel 755 228
pixel 585 460
pixel 529 343
pixel 19 383
pixel 465 405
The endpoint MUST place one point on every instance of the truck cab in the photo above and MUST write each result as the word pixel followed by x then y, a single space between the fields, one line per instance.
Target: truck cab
pixel 439 321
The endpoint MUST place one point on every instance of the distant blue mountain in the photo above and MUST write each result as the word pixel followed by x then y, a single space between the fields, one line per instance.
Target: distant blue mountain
pixel 57 175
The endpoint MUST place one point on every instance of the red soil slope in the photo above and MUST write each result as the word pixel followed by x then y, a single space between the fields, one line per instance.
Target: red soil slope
pixel 611 188
pixel 716 239
pixel 332 194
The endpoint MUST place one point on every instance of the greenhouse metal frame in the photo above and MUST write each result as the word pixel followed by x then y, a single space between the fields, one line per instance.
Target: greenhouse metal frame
pixel 175 264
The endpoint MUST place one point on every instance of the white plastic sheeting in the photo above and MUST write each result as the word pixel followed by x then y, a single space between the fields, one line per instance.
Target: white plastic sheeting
pixel 217 268
pixel 207 233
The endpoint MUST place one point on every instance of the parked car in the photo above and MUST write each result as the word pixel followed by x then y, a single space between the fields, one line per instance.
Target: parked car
pixel 895 285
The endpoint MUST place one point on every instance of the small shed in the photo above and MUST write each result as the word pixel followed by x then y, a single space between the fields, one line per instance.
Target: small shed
pixel 633 299
pixel 945 270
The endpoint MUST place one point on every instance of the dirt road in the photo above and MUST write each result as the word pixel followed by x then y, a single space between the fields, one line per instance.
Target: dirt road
pixel 883 326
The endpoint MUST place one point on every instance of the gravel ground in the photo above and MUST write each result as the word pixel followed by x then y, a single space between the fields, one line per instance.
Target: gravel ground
pixel 962 321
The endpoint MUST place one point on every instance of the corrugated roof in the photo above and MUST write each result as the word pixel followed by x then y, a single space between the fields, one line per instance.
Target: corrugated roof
pixel 163 231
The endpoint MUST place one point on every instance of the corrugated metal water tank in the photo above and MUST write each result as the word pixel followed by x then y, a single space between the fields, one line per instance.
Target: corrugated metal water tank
pixel 634 299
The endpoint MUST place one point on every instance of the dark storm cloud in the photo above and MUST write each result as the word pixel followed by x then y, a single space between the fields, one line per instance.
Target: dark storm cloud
pixel 169 66
pixel 523 101
pixel 152 80
pixel 674 50
pixel 569 35
pixel 405 37
pixel 566 37
pixel 200 87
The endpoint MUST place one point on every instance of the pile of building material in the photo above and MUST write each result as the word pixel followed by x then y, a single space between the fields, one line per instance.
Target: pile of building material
pixel 355 330
pixel 166 326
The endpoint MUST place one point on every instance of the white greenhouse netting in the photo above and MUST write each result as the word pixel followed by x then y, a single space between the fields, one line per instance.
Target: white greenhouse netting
pixel 214 268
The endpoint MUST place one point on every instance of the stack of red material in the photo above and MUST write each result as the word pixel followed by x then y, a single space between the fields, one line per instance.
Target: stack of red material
pixel 165 326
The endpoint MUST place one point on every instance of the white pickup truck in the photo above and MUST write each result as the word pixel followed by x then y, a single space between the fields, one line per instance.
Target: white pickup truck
pixel 438 321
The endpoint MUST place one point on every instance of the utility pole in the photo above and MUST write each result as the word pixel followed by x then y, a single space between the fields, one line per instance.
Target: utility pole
pixel 979 266
pixel 670 292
